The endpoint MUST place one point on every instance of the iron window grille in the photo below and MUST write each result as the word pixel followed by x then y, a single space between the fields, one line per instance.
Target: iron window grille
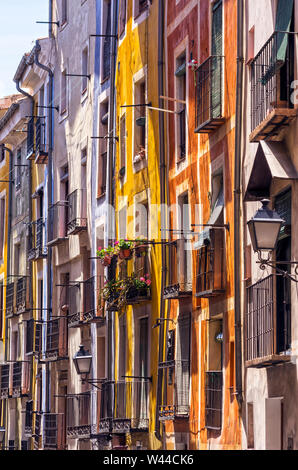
pixel 41 153
pixel 175 377
pixel 56 339
pixel 5 381
pixel 53 425
pixel 10 288
pixel 209 94
pixel 22 295
pixel 214 396
pixel 29 418
pixel 36 240
pixel 30 139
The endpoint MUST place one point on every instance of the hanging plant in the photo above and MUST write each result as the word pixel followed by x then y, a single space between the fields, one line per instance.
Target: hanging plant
pixel 106 254
pixel 125 249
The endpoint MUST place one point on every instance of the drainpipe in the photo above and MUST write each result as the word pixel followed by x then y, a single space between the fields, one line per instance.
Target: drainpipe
pixel 8 253
pixel 50 195
pixel 237 202
pixel 162 177
pixel 110 188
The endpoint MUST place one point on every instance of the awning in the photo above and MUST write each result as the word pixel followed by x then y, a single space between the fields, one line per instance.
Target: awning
pixel 272 161
pixel 215 215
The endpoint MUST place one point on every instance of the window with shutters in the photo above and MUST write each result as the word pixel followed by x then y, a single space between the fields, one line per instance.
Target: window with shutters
pixel 122 146
pixel 181 122
pixel 272 74
pixel 84 70
pixel 102 148
pixel 63 93
pixel 106 41
pixel 140 122
pixel 213 377
pixel 209 78
pixel 122 17
pixel 140 387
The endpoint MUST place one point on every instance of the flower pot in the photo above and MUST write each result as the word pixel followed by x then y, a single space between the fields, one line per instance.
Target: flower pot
pixel 125 253
pixel 106 261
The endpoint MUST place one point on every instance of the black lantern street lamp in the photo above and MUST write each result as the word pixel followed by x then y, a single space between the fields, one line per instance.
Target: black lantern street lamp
pixel 82 361
pixel 264 228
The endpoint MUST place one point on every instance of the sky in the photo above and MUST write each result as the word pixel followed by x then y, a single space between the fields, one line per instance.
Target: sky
pixel 18 32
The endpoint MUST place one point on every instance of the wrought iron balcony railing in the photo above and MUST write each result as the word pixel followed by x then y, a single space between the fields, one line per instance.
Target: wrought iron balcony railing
pixel 33 337
pixel 267 322
pixel 30 139
pixel 20 379
pixel 179 282
pixel 10 296
pixel 73 300
pixel 214 397
pixel 37 248
pixel 209 94
pixel 53 424
pixel 5 381
pixel 58 218
pixel 210 279
pixel 22 295
pixel 93 311
pixel 41 154
pixel 78 416
pixel 56 340
pixel 175 377
pixel 29 418
pixel 77 211
pixel 272 74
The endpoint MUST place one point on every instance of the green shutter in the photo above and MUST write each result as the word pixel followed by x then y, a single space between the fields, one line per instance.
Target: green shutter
pixel 283 22
pixel 283 206
pixel 215 66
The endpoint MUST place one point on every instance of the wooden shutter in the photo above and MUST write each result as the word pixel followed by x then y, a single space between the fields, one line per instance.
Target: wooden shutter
pixel 122 16
pixel 216 51
pixel 282 23
pixel 122 141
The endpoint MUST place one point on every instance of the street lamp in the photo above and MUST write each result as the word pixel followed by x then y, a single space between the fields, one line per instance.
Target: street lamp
pixel 82 361
pixel 264 228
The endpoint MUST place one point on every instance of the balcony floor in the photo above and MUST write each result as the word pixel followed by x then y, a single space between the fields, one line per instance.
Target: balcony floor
pixel 273 127
pixel 267 361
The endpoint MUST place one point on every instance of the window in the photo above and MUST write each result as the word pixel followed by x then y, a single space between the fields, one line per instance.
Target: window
pixel 2 226
pixel 63 12
pixel 140 121
pixel 1 306
pixel 181 80
pixel 18 169
pixel 122 18
pixel 106 44
pixel 142 220
pixel 283 286
pixel 139 7
pixel 102 148
pixel 122 146
pixel 142 370
pixel 214 377
pixel 84 70
pixel 182 364
pixel 185 244
pixel 216 50
pixel 63 97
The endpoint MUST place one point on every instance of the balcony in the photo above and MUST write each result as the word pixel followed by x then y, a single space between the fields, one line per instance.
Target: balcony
pixel 30 139
pixel 210 280
pixel 175 377
pixel 5 381
pixel 213 400
pixel 41 154
pixel 22 295
pixel 56 340
pixel 20 379
pixel 33 337
pixel 53 431
pixel 10 296
pixel 92 308
pixel 179 271
pixel 73 300
pixel 78 416
pixel 37 249
pixel 272 74
pixel 77 212
pixel 29 419
pixel 58 217
pixel 209 95
pixel 267 323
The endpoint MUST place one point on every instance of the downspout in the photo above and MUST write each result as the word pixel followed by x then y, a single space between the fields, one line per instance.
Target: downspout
pixel 237 202
pixel 162 168
pixel 49 198
pixel 111 190
pixel 8 253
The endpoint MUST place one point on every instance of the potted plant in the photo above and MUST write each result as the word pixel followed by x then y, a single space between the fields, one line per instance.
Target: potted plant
pixel 139 287
pixel 140 247
pixel 106 255
pixel 111 292
pixel 125 249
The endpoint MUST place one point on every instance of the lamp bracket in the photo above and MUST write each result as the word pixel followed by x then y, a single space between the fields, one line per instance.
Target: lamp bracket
pixel 264 263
